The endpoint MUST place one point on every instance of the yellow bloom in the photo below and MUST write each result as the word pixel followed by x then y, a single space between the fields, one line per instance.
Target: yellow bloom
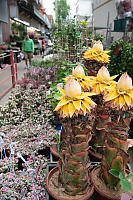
pixel 73 101
pixel 102 81
pixel 120 96
pixel 79 75
pixel 97 54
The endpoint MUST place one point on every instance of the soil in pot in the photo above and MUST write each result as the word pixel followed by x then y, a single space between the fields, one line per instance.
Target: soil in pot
pixel 102 191
pixel 56 190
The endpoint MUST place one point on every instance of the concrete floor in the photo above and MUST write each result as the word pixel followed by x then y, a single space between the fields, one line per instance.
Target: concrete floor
pixel 5 73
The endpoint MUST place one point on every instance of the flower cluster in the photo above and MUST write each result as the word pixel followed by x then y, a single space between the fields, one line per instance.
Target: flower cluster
pixel 26 184
pixel 24 105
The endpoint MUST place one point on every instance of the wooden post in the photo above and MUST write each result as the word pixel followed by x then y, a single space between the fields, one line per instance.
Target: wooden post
pixel 12 68
pixel 16 68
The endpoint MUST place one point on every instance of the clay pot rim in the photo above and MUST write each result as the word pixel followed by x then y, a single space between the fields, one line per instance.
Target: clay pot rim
pixel 97 188
pixel 60 198
pixel 95 155
pixel 54 152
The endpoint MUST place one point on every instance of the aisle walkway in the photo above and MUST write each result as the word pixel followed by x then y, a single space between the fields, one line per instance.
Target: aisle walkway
pixel 21 72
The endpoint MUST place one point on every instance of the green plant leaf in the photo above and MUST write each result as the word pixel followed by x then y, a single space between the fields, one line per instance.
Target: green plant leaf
pixel 114 172
pixel 129 176
pixel 126 185
pixel 121 175
pixel 56 96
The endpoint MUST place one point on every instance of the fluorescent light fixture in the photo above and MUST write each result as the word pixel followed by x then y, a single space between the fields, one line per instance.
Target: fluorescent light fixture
pixel 31 28
pixel 21 21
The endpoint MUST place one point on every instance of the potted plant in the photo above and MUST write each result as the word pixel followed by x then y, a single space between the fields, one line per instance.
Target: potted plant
pixel 78 74
pixel 70 179
pixel 112 173
pixel 95 58
pixel 99 85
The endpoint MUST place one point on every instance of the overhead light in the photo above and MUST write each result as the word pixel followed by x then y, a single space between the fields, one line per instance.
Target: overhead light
pixel 31 28
pixel 21 21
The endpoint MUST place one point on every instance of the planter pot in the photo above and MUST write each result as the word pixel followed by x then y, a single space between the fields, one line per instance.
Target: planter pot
pixel 53 149
pixel 54 153
pixel 102 191
pixel 95 157
pixel 58 194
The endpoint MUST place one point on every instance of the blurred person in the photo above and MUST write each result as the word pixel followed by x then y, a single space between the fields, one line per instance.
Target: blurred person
pixel 42 46
pixel 28 49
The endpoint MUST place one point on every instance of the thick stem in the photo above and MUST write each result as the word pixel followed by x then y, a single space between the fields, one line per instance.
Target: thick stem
pixel 116 146
pixel 93 67
pixel 73 165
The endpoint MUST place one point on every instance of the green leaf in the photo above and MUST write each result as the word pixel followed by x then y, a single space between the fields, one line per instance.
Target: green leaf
pixel 129 176
pixel 114 172
pixel 121 175
pixel 56 96
pixel 126 185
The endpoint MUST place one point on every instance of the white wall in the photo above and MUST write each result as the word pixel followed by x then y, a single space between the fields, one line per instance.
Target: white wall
pixel 101 16
pixel 84 8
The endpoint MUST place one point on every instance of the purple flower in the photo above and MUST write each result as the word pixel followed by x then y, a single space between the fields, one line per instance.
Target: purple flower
pixel 126 197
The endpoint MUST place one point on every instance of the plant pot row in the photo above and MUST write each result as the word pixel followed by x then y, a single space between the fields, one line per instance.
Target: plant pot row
pixel 101 191
pixel 98 191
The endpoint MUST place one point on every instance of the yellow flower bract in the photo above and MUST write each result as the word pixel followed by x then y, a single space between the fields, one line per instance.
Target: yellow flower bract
pixel 68 107
pixel 79 75
pixel 84 82
pixel 119 100
pixel 93 55
pixel 102 81
pixel 120 96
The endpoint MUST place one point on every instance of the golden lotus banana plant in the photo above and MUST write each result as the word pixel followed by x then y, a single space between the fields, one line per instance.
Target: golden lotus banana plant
pixel 95 58
pixel 120 96
pixel 99 85
pixel 102 81
pixel 76 114
pixel 73 101
pixel 97 53
pixel 79 75
pixel 119 101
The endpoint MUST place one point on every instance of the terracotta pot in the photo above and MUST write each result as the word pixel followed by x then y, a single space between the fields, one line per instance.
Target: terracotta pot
pixel 54 195
pixel 55 153
pixel 94 157
pixel 99 194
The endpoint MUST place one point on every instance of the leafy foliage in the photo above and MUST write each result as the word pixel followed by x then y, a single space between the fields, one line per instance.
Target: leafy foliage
pixel 62 10
pixel 99 36
pixel 121 58
pixel 125 184
pixel 71 38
